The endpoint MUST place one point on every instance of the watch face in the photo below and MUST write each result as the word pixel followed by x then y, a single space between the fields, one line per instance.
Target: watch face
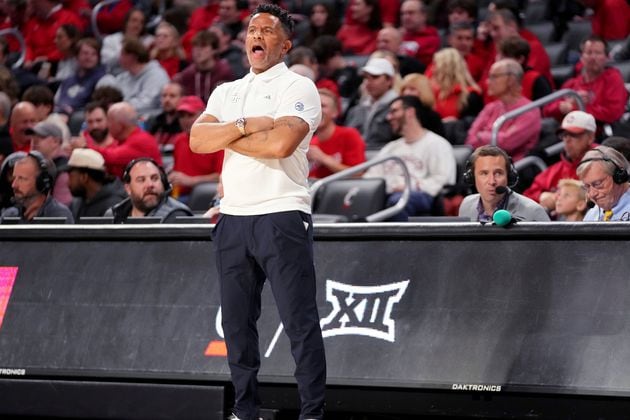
pixel 240 122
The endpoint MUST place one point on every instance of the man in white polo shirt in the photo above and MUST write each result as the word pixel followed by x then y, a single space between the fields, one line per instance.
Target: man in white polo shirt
pixel 264 122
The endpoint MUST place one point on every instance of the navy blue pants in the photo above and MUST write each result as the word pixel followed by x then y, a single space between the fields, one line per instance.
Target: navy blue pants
pixel 277 247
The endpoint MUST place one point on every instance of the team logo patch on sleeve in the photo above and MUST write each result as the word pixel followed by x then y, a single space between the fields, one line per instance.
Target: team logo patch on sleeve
pixel 299 106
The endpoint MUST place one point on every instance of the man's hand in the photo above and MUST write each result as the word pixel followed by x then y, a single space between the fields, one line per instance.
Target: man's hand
pixel 548 200
pixel 180 178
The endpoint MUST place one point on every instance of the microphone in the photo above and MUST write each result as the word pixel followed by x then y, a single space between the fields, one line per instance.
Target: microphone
pixel 503 217
pixel 501 189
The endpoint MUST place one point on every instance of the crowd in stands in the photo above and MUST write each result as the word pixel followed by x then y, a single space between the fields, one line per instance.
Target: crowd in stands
pixel 95 120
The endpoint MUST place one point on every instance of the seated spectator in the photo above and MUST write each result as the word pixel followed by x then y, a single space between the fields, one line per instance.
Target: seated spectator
pixel 66 40
pixel 134 27
pixel 456 93
pixel 419 85
pixel 198 21
pixel 75 91
pixel 141 81
pixel 44 101
pixel 32 183
pixel 165 126
pixel 229 51
pixel 322 20
pixel 369 116
pixel 570 204
pixel 577 133
pixel 40 30
pixel 518 135
pixel 46 138
pixel 93 191
pixel 535 85
pixel 604 174
pixel 96 133
pixel 333 148
pixel 231 14
pixel 206 71
pixel 420 40
pixel 133 142
pixel 504 23
pixel 167 49
pixel 358 36
pixel 488 168
pixel 147 186
pixel 601 88
pixel 389 39
pixel 335 70
pixel 388 11
pixel 428 157
pixel 189 168
pixel 23 116
pixel 461 36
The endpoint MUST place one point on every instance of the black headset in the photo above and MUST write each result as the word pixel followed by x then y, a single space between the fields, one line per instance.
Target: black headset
pixel 126 177
pixel 619 176
pixel 469 173
pixel 45 180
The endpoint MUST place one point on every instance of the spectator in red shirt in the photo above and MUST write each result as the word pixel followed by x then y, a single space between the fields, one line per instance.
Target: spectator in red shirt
pixel 420 40
pixel 390 39
pixel 189 168
pixel 602 88
pixel 359 36
pixel 503 24
pixel 96 132
pixel 167 49
pixel 611 18
pixel 122 122
pixel 461 36
pixel 535 85
pixel 333 147
pixel 41 27
pixel 577 132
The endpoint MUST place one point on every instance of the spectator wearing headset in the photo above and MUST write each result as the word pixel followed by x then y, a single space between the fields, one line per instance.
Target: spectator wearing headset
pixel 491 171
pixel 604 173
pixel 32 183
pixel 148 187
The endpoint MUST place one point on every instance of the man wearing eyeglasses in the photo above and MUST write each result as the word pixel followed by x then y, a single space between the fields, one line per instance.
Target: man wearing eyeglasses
pixel 577 133
pixel 604 173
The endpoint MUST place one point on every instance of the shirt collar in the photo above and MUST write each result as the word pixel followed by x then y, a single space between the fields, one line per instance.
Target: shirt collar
pixel 269 74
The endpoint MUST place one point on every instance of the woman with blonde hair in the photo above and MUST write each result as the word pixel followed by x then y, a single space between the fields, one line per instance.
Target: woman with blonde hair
pixel 167 49
pixel 418 85
pixel 456 93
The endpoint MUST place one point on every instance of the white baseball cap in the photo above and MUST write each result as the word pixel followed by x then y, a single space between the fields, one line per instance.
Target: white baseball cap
pixel 577 122
pixel 378 67
pixel 87 159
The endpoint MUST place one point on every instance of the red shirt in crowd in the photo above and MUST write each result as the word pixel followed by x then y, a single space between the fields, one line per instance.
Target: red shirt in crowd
pixel 345 145
pixel 138 144
pixel 39 34
pixel 422 44
pixel 111 18
pixel 357 39
pixel 611 18
pixel 194 164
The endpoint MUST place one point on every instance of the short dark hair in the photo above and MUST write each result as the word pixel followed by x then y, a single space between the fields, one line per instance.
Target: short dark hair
pixel 136 48
pixel 489 150
pixel 288 24
pixel 470 6
pixel 422 111
pixel 594 38
pixel 514 47
pixel 39 95
pixel 107 95
pixel 206 38
pixel 326 47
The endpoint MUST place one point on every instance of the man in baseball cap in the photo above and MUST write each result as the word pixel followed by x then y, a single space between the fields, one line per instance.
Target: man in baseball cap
pixel 93 190
pixel 369 116
pixel 190 169
pixel 577 133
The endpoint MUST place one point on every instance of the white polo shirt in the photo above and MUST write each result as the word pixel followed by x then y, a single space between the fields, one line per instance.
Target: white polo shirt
pixel 257 186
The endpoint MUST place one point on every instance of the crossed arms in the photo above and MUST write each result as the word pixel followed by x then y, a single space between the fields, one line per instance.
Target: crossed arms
pixel 265 137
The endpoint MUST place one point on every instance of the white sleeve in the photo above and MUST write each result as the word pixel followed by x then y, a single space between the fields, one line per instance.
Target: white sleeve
pixel 216 102
pixel 301 100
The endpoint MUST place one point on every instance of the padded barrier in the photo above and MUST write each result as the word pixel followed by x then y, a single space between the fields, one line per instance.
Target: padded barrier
pixel 538 308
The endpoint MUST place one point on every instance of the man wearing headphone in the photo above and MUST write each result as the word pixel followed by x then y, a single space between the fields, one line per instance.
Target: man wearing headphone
pixel 491 171
pixel 604 173
pixel 148 187
pixel 32 185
